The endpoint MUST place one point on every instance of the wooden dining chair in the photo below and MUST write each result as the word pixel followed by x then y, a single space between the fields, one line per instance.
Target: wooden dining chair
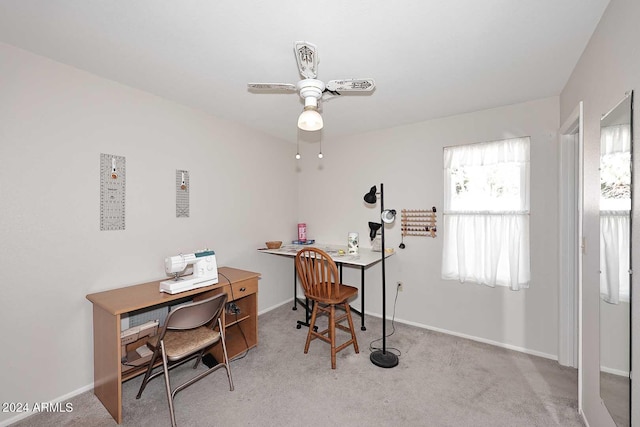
pixel 318 274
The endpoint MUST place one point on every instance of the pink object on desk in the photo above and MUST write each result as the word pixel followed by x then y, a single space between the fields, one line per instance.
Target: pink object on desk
pixel 302 232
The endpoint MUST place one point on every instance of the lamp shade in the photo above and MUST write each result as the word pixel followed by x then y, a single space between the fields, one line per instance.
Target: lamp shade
pixel 388 216
pixel 373 229
pixel 370 197
pixel 310 119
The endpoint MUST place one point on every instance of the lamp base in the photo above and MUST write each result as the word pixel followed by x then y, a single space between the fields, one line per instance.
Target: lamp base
pixel 383 359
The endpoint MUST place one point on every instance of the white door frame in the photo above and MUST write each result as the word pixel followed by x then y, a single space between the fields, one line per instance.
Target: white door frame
pixel 571 243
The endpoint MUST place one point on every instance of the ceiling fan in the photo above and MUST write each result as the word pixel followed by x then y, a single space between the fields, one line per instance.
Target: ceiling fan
pixel 312 89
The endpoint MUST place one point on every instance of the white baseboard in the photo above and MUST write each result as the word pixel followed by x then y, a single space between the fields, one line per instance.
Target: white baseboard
pixel 60 399
pixel 448 332
pixel 614 371
pixel 474 338
pixel 275 306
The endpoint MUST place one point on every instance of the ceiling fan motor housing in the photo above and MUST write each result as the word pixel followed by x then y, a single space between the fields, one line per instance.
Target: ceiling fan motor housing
pixel 311 91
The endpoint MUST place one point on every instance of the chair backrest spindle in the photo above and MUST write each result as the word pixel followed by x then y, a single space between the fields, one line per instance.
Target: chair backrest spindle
pixel 318 273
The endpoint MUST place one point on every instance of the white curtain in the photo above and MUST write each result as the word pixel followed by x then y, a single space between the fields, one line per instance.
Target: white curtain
pixel 615 219
pixel 615 139
pixel 486 213
pixel 614 256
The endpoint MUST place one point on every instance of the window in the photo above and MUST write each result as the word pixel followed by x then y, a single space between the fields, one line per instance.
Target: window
pixel 486 213
pixel 615 210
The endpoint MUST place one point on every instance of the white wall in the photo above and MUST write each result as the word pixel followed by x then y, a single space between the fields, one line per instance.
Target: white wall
pixel 408 160
pixel 609 67
pixel 54 123
pixel 614 337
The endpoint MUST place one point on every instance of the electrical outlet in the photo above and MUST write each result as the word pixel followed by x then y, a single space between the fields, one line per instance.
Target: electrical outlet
pixel 399 286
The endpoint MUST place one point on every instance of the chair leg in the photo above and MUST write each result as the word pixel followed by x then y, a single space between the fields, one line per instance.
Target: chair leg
pixel 167 383
pixel 312 324
pixel 350 320
pixel 332 334
pixel 148 373
pixel 223 338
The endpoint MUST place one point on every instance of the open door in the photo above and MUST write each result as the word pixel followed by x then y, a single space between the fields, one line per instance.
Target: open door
pixel 571 241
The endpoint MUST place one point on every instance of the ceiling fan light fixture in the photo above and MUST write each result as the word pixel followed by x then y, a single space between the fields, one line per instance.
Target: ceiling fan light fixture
pixel 310 119
pixel 310 88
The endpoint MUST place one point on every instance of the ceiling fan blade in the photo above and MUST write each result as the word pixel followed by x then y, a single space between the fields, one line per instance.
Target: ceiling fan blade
pixel 307 59
pixel 272 86
pixel 351 85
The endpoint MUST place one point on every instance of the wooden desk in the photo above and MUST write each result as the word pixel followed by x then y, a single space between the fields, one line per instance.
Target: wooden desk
pixel 108 306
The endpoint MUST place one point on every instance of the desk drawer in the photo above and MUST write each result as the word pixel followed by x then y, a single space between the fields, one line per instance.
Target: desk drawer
pixel 241 289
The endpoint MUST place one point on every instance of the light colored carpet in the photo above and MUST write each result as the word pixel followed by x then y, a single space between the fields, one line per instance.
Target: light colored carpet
pixel 615 391
pixel 440 381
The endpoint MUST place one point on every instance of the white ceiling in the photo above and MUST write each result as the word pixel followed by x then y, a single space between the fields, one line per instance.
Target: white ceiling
pixel 429 58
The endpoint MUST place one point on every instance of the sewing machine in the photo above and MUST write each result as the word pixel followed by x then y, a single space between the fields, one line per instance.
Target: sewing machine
pixel 205 271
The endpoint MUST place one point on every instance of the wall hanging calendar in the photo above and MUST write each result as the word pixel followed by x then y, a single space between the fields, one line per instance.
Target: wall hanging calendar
pixel 112 192
pixel 182 194
pixel 418 222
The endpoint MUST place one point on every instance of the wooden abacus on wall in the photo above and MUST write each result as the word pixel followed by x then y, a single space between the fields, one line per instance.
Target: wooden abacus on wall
pixel 419 222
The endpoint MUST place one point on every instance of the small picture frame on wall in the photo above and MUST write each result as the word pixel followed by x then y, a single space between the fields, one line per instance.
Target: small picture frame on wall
pixel 112 192
pixel 182 193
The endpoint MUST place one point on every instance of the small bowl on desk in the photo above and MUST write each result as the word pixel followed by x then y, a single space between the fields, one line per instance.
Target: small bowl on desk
pixel 273 244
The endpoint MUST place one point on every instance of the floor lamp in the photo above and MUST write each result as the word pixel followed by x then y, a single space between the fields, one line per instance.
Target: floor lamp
pixel 382 357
